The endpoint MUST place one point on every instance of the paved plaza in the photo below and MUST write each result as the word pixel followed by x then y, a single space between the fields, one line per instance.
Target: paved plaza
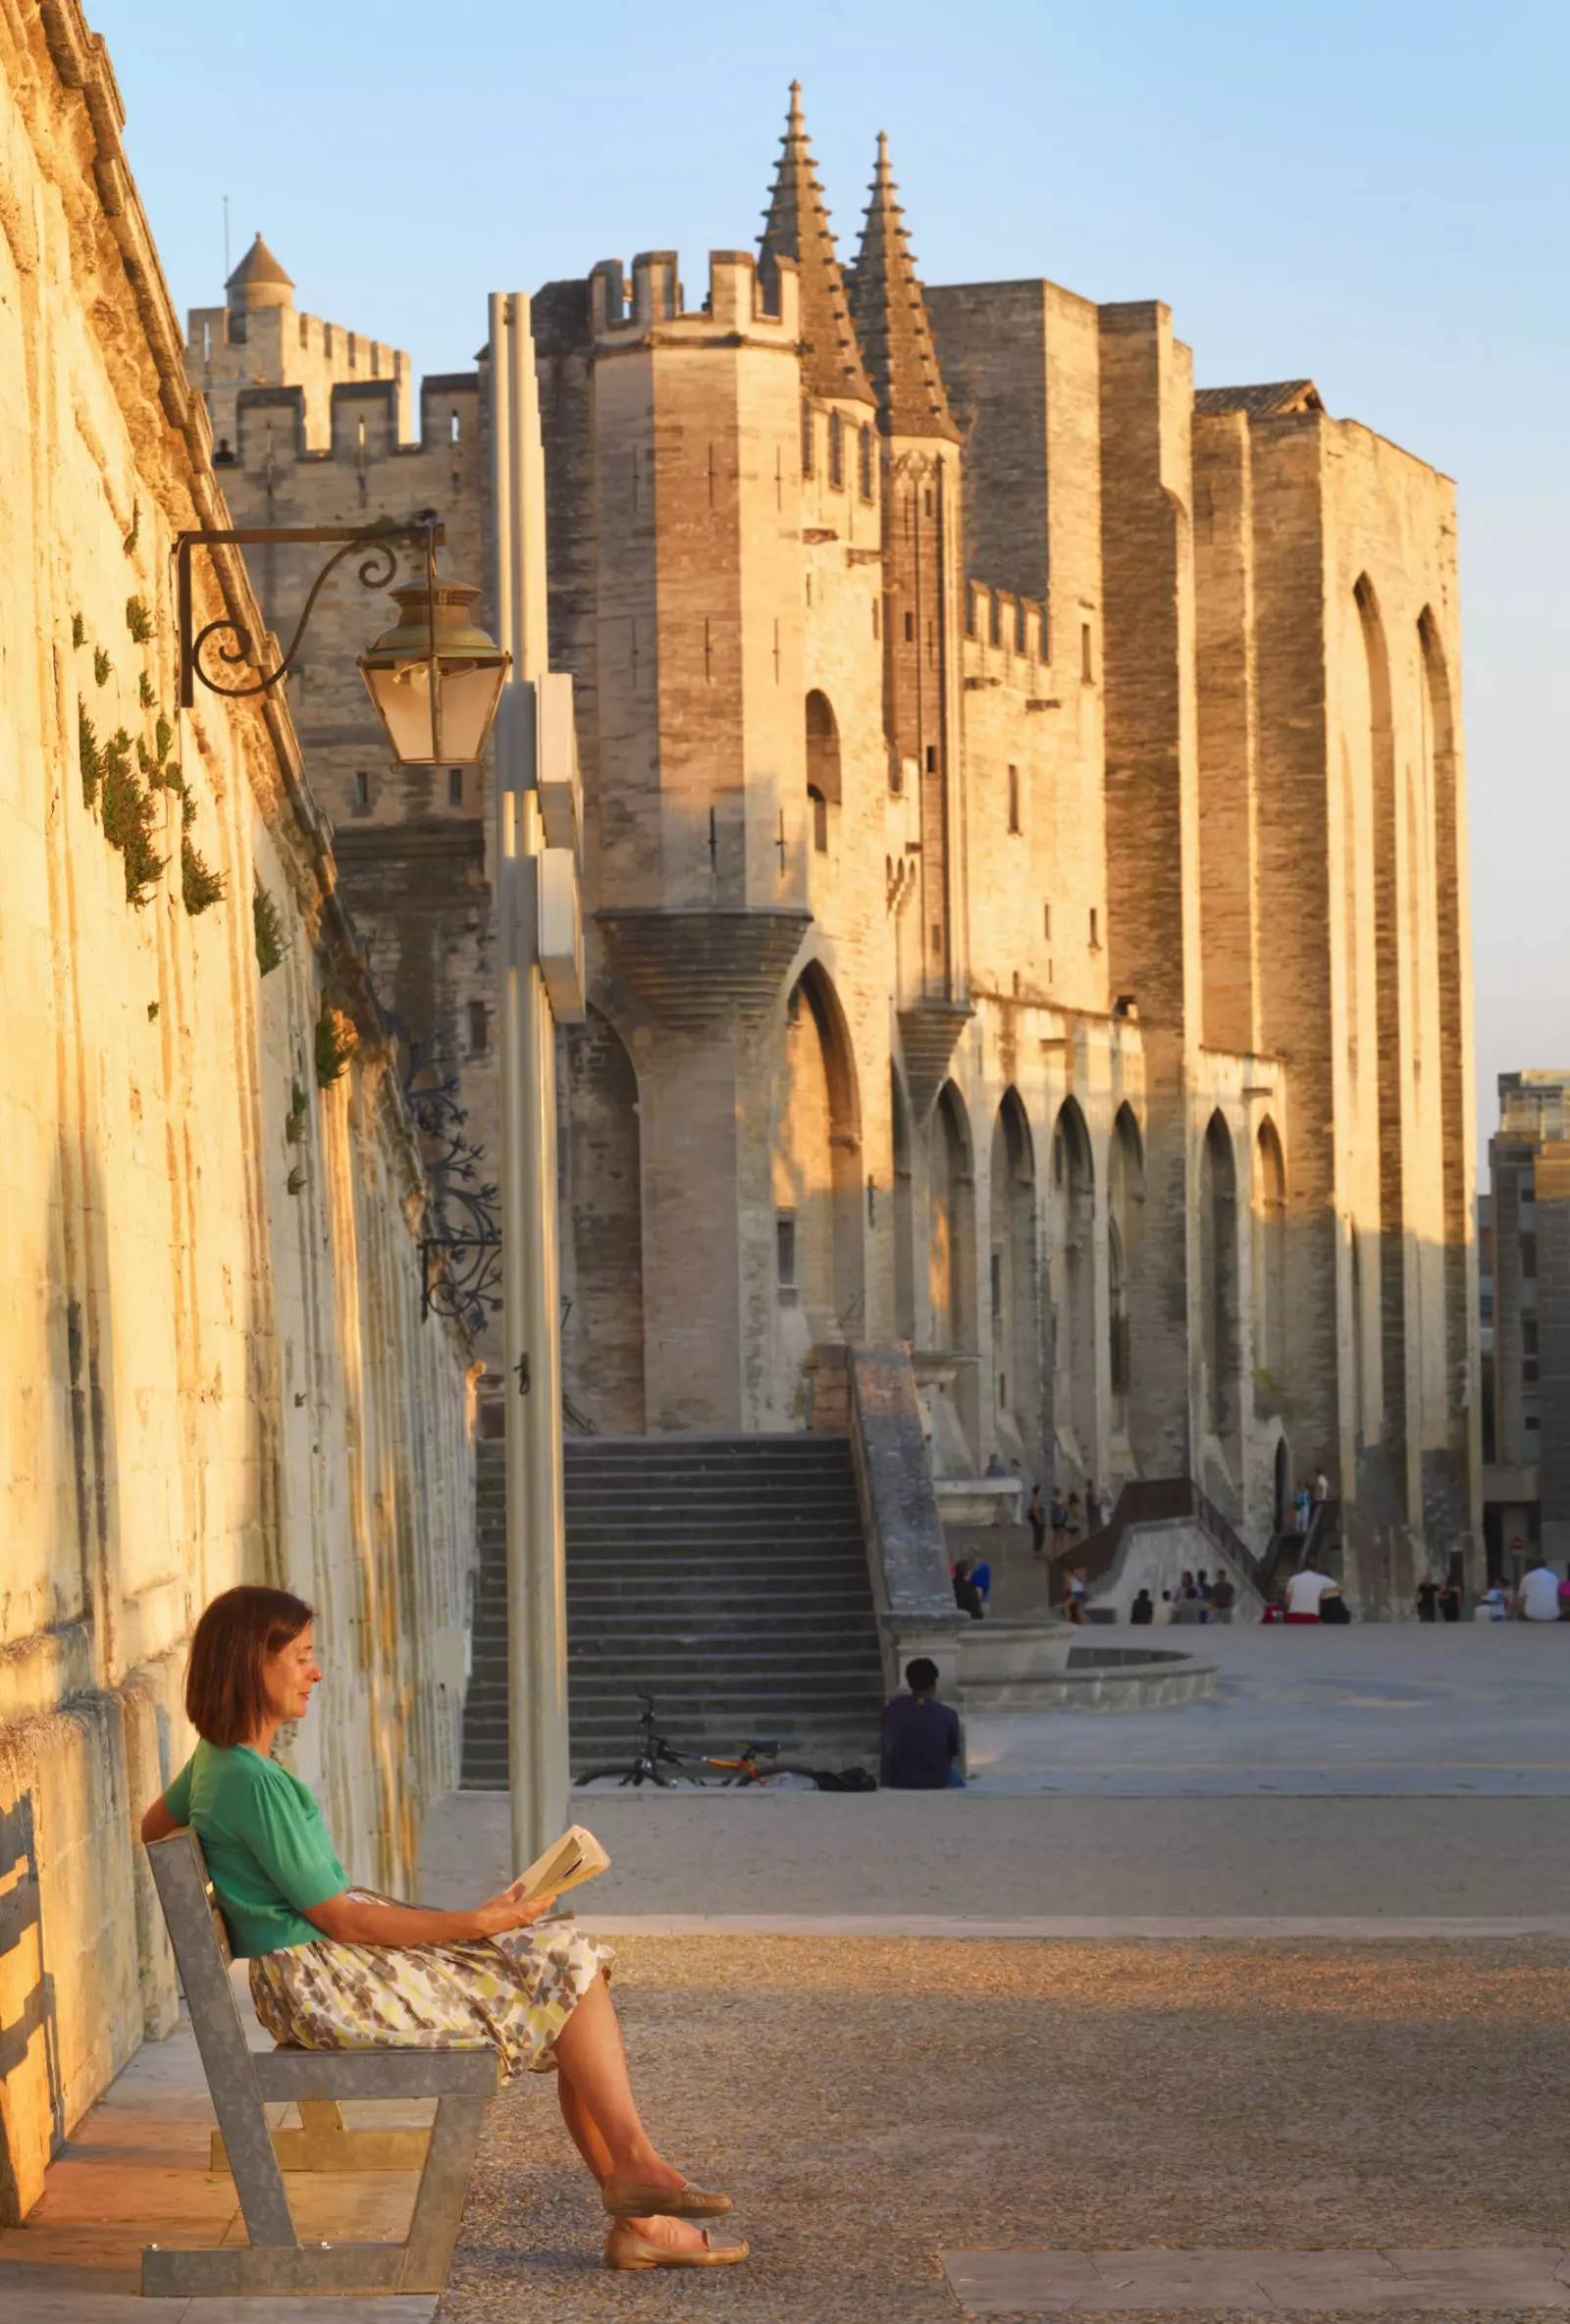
pixel 1119 2032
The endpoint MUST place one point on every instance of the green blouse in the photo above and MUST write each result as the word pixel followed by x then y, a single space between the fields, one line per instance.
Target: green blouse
pixel 266 1847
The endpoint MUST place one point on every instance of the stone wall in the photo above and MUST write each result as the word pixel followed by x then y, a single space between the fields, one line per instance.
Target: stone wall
pixel 215 1366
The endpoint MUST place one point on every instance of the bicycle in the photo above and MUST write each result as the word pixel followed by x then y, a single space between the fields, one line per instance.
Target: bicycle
pixel 653 1753
pixel 750 1766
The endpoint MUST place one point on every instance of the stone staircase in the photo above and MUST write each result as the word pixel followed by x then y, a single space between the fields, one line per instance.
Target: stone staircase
pixel 726 1577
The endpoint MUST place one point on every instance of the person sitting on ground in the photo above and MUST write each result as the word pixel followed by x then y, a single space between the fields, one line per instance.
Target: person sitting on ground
pixel 1539 1598
pixel 1493 1605
pixel 1143 1609
pixel 1169 1612
pixel 1186 1604
pixel 333 1967
pixel 921 1736
pixel 965 1594
pixel 1222 1598
pixel 1304 1591
pixel 1333 1607
pixel 1074 1594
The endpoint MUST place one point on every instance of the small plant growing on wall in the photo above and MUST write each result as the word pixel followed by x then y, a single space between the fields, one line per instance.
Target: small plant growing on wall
pixel 295 1119
pixel 129 544
pixel 89 757
pixel 268 922
pixel 130 813
pixel 78 629
pixel 200 886
pixel 101 665
pixel 335 1043
pixel 144 692
pixel 138 620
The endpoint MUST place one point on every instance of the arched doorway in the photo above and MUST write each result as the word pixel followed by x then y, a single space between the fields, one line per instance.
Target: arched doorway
pixel 817 1169
pixel 1016 1305
pixel 1074 1210
pixel 601 1259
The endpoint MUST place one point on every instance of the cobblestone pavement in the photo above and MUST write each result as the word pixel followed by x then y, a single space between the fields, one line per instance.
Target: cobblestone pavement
pixel 870 2102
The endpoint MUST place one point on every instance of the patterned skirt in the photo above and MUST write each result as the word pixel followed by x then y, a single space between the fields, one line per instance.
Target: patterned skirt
pixel 517 1990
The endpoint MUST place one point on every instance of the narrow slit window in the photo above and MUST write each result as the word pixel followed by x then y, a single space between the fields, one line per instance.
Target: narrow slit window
pixel 836 450
pixel 806 437
pixel 910 629
pixel 455 787
pixel 1087 670
pixel 785 1249
pixel 479 1029
pixel 362 794
pixel 1095 930
pixel 1014 824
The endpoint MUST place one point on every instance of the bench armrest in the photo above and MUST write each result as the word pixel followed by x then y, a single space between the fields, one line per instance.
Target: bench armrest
pixel 376 2073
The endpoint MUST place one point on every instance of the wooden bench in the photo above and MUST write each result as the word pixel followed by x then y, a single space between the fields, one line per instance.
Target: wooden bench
pixel 241 2081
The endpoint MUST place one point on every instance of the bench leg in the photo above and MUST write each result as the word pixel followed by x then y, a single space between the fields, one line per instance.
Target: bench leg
pixel 444 2184
pixel 322 2143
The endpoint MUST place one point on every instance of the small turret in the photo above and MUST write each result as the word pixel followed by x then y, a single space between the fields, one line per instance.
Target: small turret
pixel 797 227
pixel 258 282
pixel 891 319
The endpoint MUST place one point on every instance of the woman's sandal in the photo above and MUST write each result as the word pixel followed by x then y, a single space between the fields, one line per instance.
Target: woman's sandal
pixel 624 2199
pixel 625 2248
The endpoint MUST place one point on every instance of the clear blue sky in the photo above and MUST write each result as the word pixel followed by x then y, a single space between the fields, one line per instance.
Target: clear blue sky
pixel 1375 193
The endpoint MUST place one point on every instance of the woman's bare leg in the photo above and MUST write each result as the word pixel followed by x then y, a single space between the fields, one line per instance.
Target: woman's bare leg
pixel 595 2093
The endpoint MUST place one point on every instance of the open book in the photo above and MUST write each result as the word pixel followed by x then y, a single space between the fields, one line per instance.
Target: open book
pixel 576 1856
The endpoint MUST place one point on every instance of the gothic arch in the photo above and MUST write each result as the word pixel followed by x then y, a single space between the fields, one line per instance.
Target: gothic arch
pixel 1016 1322
pixel 1390 1031
pixel 951 1246
pixel 1269 1249
pixel 1125 1227
pixel 1443 791
pixel 1220 1338
pixel 818 1159
pixel 602 1268
pixel 1074 1207
pixel 904 1209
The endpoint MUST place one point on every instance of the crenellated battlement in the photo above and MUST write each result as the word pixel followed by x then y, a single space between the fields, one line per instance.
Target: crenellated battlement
pixel 260 343
pixel 363 425
pixel 651 304
pixel 1005 635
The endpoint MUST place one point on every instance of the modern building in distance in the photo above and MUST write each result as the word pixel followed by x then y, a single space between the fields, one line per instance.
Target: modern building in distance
pixel 1527 1481
pixel 1025 866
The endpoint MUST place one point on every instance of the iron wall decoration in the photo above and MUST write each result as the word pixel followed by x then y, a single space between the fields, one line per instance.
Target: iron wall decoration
pixel 460 1263
pixel 378 570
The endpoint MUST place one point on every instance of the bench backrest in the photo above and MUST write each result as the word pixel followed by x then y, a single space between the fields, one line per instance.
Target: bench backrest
pixel 202 1954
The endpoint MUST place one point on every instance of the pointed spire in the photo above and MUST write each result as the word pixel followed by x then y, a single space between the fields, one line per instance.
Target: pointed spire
pixel 797 227
pixel 891 319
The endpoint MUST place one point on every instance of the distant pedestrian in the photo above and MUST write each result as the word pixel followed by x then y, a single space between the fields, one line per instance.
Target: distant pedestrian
pixel 1094 1516
pixel 1074 1594
pixel 921 1736
pixel 1143 1610
pixel 1059 1523
pixel 1304 1509
pixel 1222 1598
pixel 1204 1585
pixel 1077 1520
pixel 1450 1600
pixel 1305 1593
pixel 1428 1599
pixel 1037 1516
pixel 1322 1486
pixel 965 1594
pixel 981 1576
pixel 1169 1612
pixel 995 1465
pixel 1540 1593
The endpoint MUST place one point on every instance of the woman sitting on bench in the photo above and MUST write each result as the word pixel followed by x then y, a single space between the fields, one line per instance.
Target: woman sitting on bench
pixel 333 1967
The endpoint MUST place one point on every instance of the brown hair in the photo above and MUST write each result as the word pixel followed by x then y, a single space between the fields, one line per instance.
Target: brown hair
pixel 224 1698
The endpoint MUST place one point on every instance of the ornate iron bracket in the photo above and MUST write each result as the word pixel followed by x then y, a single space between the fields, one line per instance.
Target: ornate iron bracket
pixel 375 542
pixel 460 1264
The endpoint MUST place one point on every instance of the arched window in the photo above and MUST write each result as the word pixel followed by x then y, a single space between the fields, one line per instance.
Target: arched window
pixel 1217 1246
pixel 823 749
pixel 836 449
pixel 1270 1251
